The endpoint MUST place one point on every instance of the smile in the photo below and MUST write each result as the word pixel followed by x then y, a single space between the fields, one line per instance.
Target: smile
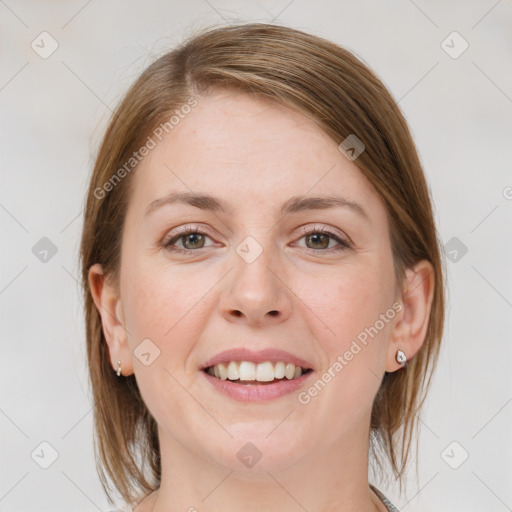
pixel 248 371
pixel 247 382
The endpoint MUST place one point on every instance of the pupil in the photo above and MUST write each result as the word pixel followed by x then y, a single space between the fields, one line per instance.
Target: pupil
pixel 315 239
pixel 191 237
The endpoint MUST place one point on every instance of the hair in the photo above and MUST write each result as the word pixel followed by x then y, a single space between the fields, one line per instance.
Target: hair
pixel 343 96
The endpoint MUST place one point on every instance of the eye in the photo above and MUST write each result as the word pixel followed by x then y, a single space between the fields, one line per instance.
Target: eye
pixel 319 237
pixel 191 238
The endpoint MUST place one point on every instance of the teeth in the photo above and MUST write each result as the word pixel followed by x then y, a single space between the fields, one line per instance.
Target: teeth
pixel 289 372
pixel 262 372
pixel 223 371
pixel 247 370
pixel 233 373
pixel 279 370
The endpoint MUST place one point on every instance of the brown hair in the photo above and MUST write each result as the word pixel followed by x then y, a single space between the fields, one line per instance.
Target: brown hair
pixel 343 96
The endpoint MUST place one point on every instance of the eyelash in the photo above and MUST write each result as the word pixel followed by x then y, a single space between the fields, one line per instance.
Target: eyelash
pixel 168 245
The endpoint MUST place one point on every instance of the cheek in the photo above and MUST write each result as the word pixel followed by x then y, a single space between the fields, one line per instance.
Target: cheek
pixel 148 307
pixel 166 304
pixel 347 301
pixel 347 311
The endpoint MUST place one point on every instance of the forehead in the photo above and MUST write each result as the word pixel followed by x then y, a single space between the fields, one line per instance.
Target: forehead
pixel 250 152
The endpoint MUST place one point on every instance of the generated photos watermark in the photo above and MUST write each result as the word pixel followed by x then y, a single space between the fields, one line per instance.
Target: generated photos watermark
pixel 304 397
pixel 151 142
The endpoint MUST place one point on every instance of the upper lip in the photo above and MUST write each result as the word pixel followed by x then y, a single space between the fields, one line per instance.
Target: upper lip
pixel 260 356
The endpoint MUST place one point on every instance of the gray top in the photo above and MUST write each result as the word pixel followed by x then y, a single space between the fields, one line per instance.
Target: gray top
pixel 387 503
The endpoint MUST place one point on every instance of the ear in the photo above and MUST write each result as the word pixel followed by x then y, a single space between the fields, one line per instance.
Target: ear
pixel 108 303
pixel 410 329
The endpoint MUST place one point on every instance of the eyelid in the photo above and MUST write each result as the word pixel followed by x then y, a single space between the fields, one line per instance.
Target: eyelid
pixel 344 242
pixel 185 230
pixel 333 232
pixel 188 228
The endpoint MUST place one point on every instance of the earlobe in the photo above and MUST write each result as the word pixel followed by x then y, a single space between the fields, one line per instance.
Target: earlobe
pixel 410 330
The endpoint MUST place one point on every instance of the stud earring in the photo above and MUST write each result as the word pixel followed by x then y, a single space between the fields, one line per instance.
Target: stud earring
pixel 119 369
pixel 400 357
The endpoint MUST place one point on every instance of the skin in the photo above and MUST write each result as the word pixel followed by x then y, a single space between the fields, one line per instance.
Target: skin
pixel 254 156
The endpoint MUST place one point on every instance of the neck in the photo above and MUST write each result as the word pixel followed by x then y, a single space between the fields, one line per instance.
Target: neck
pixel 332 479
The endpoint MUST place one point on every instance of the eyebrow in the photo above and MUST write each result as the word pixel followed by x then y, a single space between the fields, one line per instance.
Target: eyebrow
pixel 293 205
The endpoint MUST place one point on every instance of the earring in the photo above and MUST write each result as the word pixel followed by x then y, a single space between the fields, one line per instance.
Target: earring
pixel 119 369
pixel 400 357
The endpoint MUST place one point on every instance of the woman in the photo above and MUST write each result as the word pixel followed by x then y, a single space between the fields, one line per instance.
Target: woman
pixel 263 284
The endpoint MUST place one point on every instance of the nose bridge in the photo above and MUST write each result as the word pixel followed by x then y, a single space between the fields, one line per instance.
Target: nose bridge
pixel 256 291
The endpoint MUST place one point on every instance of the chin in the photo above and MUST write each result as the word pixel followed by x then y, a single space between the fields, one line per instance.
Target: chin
pixel 250 454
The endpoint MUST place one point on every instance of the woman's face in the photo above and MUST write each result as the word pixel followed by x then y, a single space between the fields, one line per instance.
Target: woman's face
pixel 250 275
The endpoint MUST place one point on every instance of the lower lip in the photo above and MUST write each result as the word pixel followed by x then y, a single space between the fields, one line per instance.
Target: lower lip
pixel 257 392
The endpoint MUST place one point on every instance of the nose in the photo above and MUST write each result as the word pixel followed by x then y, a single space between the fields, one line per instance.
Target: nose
pixel 255 292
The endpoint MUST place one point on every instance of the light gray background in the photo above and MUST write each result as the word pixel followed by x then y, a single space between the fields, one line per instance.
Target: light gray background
pixel 54 111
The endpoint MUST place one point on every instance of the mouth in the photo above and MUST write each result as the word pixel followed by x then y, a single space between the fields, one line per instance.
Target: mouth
pixel 248 376
pixel 248 387
pixel 252 374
